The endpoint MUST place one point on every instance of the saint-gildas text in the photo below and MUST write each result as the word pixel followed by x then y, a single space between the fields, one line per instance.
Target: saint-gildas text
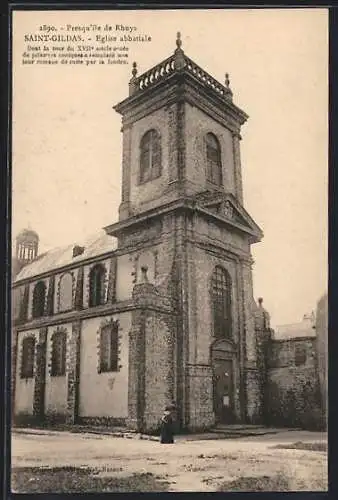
pixel 81 44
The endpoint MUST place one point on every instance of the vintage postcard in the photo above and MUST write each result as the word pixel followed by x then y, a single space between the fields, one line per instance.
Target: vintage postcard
pixel 169 255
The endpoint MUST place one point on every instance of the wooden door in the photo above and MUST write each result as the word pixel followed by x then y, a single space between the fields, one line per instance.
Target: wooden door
pixel 223 391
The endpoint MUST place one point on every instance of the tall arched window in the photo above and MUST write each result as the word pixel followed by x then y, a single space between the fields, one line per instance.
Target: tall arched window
pixel 214 163
pixel 66 292
pixel 39 298
pixel 96 285
pixel 109 343
pixel 150 156
pixel 221 302
pixel 28 356
pixel 59 351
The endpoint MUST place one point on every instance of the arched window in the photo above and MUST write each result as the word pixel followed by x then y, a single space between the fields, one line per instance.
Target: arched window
pixel 59 351
pixel 96 285
pixel 66 292
pixel 214 163
pixel 39 298
pixel 150 156
pixel 109 347
pixel 221 302
pixel 28 356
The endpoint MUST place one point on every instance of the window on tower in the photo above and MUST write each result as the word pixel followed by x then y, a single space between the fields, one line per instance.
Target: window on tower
pixel 150 156
pixel 39 298
pixel 221 302
pixel 214 164
pixel 96 285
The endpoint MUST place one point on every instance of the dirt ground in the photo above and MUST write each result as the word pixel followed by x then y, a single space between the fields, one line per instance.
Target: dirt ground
pixel 267 462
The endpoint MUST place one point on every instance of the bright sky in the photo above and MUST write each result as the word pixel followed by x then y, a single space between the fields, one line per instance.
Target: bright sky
pixel 67 144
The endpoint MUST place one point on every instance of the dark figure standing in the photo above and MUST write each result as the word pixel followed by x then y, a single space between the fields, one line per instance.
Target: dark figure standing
pixel 167 427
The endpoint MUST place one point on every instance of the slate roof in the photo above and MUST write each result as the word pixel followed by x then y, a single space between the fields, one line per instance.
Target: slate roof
pixel 95 245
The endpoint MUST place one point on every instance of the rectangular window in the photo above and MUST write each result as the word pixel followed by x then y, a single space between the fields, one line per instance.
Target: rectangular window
pixel 28 357
pixel 109 348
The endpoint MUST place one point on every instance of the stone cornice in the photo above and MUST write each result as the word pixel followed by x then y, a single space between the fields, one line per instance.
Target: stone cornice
pixel 62 269
pixel 160 305
pixel 182 86
pixel 119 227
pixel 187 204
pixel 75 315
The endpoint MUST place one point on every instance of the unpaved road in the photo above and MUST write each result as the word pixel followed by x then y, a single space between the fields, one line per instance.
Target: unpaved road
pixel 187 465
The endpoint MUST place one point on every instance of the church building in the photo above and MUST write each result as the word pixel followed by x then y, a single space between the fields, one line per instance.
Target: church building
pixel 157 307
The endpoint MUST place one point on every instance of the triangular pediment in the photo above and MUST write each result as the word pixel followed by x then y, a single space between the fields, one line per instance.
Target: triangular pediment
pixel 226 207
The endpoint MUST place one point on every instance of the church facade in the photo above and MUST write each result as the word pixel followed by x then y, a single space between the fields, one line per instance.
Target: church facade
pixel 158 307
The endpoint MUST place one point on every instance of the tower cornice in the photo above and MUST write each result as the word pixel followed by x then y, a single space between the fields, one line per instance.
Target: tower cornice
pixel 189 205
pixel 189 83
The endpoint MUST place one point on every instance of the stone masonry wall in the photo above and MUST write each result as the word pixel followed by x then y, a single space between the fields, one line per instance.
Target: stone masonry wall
pixel 151 357
pixel 200 395
pixel 293 395
pixel 199 124
pixel 159 380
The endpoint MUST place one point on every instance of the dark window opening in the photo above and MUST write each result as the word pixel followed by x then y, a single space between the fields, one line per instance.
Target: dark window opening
pixel 214 164
pixel 59 351
pixel 150 156
pixel 221 303
pixel 28 357
pixel 96 286
pixel 39 298
pixel 109 347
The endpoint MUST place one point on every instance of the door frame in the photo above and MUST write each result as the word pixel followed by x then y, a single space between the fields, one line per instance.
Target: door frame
pixel 225 350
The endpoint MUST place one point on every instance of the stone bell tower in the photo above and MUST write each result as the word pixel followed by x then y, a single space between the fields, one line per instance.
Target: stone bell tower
pixel 182 197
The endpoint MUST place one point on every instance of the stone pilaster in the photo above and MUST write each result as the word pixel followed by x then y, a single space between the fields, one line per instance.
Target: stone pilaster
pixel 40 375
pixel 23 314
pixel 73 369
pixel 151 344
pixel 249 352
pixel 111 294
pixel 241 339
pixel 50 296
pixel 136 395
pixel 181 138
pixel 237 168
pixel 79 289
pixel 182 305
pixel 172 143
pixel 124 209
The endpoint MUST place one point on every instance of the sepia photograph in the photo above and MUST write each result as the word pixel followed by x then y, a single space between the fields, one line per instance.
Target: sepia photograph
pixel 169 299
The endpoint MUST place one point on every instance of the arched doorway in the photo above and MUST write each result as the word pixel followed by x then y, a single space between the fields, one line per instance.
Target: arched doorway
pixel 223 361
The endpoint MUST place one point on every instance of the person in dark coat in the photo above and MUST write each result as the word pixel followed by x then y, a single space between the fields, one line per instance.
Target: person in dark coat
pixel 167 427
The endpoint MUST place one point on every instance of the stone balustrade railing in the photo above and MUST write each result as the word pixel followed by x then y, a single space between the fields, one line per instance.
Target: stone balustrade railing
pixel 167 67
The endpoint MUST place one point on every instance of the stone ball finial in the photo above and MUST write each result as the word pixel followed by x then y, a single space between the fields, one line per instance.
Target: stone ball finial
pixel 178 40
pixel 144 276
pixel 134 70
